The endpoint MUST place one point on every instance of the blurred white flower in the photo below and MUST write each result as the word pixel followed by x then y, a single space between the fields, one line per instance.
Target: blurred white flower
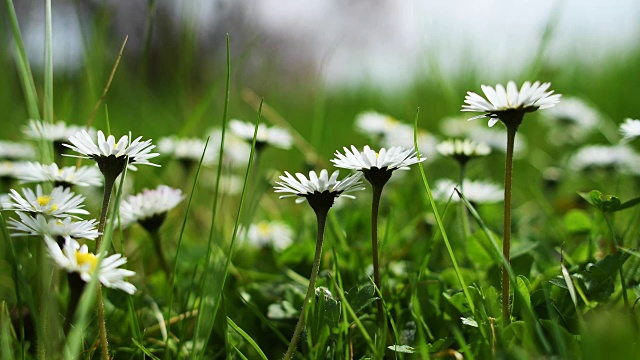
pixel 480 192
pixel 10 169
pixel 463 150
pixel 77 259
pixel 66 176
pixel 11 150
pixel 376 125
pixel 55 132
pixel 236 151
pixel 274 135
pixel 571 120
pixel 617 157
pixel 269 233
pixel 150 207
pixel 503 103
pixel 403 136
pixel 28 225
pixel 187 149
pixel 61 202
pixel 497 140
pixel 630 129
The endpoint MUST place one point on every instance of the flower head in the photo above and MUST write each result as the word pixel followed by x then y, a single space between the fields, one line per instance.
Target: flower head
pixel 54 227
pixel 618 157
pixel 61 202
pixel 572 120
pixel 111 155
pixel 270 233
pixel 77 259
pixel 55 132
pixel 630 129
pixel 10 150
pixel 375 124
pixel 376 166
pixel 150 207
pixel 319 191
pixel 66 176
pixel 10 169
pixel 509 105
pixel 480 192
pixel 274 135
pixel 187 149
pixel 463 150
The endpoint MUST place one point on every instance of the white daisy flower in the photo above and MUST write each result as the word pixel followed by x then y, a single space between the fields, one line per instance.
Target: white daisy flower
pixel 236 151
pixel 54 227
pixel 56 132
pixel 571 121
pixel 4 199
pixel 618 157
pixel 77 259
pixel 496 139
pixel 11 150
pixel 479 192
pixel 10 169
pixel 270 233
pixel 274 135
pixel 112 155
pixel 317 186
pixel 503 103
pixel 394 158
pixel 61 202
pixel 187 149
pixel 463 149
pixel 149 208
pixel 630 129
pixel 376 125
pixel 66 176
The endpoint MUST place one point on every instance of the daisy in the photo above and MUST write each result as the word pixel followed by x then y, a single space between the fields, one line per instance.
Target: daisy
pixel 495 138
pixel 61 202
pixel 463 150
pixel 318 190
pixel 150 207
pixel 40 225
pixel 573 119
pixel 479 192
pixel 274 135
pixel 377 167
pixel 236 151
pixel 509 105
pixel 77 259
pixel 187 149
pixel 630 129
pixel 10 169
pixel 11 150
pixel 270 233
pixel 54 132
pixel 617 157
pixel 66 176
pixel 376 125
pixel 112 155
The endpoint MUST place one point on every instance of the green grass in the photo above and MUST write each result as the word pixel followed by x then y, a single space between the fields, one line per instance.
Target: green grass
pixel 441 289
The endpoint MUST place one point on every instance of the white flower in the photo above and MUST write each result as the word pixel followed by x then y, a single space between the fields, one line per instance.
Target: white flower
pixel 16 151
pixel 374 124
pixel 138 152
pixel 274 135
pixel 394 158
pixel 403 136
pixel 236 151
pixel 66 176
pixel 306 189
pixel 496 139
pixel 61 202
pixel 150 206
pixel 630 129
pixel 189 149
pixel 479 192
pixel 502 102
pixel 572 120
pixel 77 259
pixel 10 169
pixel 619 157
pixel 270 233
pixel 463 149
pixel 56 132
pixel 54 227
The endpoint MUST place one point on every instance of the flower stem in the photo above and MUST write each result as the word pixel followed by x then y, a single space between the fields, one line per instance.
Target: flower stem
pixel 625 297
pixel 506 245
pixel 76 287
pixel 157 246
pixel 375 205
pixel 321 217
pixel 108 188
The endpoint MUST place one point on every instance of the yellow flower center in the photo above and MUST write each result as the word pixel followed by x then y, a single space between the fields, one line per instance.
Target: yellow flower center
pixel 44 200
pixel 377 155
pixel 87 259
pixel 263 229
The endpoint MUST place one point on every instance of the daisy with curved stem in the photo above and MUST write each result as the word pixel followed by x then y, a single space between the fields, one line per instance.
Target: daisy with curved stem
pixel 377 168
pixel 462 151
pixel 80 265
pixel 67 176
pixel 149 209
pixel 509 106
pixel 320 192
pixel 112 157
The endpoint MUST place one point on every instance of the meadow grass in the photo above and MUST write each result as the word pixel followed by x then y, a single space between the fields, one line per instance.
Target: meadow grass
pixel 574 270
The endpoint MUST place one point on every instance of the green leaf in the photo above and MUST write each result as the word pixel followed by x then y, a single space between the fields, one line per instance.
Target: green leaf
pixel 577 221
pixel 608 203
pixel 359 297
pixel 247 338
pixel 630 203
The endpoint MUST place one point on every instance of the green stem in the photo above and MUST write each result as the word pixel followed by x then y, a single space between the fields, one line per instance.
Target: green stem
pixel 157 246
pixel 321 217
pixel 615 241
pixel 506 245
pixel 375 204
